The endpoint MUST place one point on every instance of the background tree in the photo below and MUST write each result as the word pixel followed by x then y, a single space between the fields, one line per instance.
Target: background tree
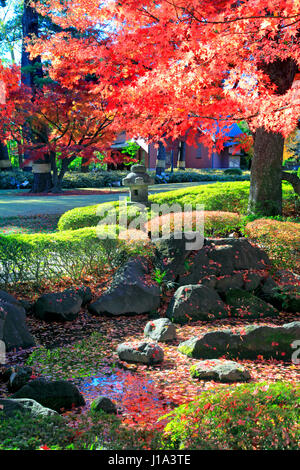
pixel 182 65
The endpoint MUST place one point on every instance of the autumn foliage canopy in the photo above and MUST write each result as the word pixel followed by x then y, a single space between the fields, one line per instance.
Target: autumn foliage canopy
pixel 174 66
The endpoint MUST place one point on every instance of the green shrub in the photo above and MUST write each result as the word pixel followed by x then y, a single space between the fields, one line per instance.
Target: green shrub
pixel 259 416
pixel 25 432
pixel 72 254
pixel 233 171
pixel 15 179
pixel 90 216
pixel 229 197
pixel 193 176
pixel 216 223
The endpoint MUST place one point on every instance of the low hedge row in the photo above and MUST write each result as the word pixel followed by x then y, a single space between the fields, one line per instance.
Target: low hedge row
pixel 72 254
pixel 258 416
pixel 216 223
pixel 280 239
pixel 224 197
pixel 231 197
pixel 100 179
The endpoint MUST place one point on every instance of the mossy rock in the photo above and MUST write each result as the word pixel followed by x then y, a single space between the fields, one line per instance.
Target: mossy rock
pixel 245 304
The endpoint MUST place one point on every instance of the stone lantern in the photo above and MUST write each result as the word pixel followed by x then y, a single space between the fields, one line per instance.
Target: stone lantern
pixel 138 181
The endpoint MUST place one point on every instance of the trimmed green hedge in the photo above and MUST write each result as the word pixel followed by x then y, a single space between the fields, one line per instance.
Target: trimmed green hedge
pixel 72 254
pixel 231 197
pixel 259 416
pixel 225 197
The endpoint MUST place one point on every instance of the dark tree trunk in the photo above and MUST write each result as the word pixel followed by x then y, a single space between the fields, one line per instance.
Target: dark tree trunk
pixel 266 168
pixel 161 159
pixel 5 163
pixel 181 156
pixel 31 74
pixel 266 174
pixel 84 166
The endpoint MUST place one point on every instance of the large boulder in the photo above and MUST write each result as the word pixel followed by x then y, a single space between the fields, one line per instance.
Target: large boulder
pixel 245 304
pixel 255 341
pixel 19 377
pixel 10 406
pixel 195 302
pixel 161 329
pixel 59 306
pixel 140 352
pixel 224 256
pixel 56 395
pixel 6 297
pixel 171 254
pixel 132 291
pixel 220 371
pixel 13 329
pixel 282 291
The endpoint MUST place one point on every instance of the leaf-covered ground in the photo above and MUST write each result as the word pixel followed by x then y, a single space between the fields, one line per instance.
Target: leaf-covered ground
pixel 85 351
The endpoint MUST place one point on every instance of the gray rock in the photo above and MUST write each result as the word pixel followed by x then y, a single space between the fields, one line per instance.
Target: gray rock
pixel 10 299
pixel 104 404
pixel 13 329
pixel 56 395
pixel 59 306
pixel 252 281
pixel 130 291
pixel 283 294
pixel 84 292
pixel 141 352
pixel 220 370
pixel 171 253
pixel 256 340
pixel 195 302
pixel 222 257
pixel 161 329
pixel 245 304
pixel 18 378
pixel 10 406
pixel 234 281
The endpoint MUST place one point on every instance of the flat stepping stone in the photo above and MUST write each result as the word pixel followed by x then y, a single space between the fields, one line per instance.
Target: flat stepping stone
pixel 161 329
pixel 220 371
pixel 140 352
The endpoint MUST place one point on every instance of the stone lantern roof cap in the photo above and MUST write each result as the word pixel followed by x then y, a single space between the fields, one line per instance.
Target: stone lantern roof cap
pixel 137 172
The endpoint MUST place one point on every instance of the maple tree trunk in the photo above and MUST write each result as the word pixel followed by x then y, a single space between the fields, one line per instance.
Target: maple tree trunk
pixel 266 174
pixel 181 156
pixel 5 163
pixel 84 167
pixel 31 73
pixel 266 169
pixel 161 159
